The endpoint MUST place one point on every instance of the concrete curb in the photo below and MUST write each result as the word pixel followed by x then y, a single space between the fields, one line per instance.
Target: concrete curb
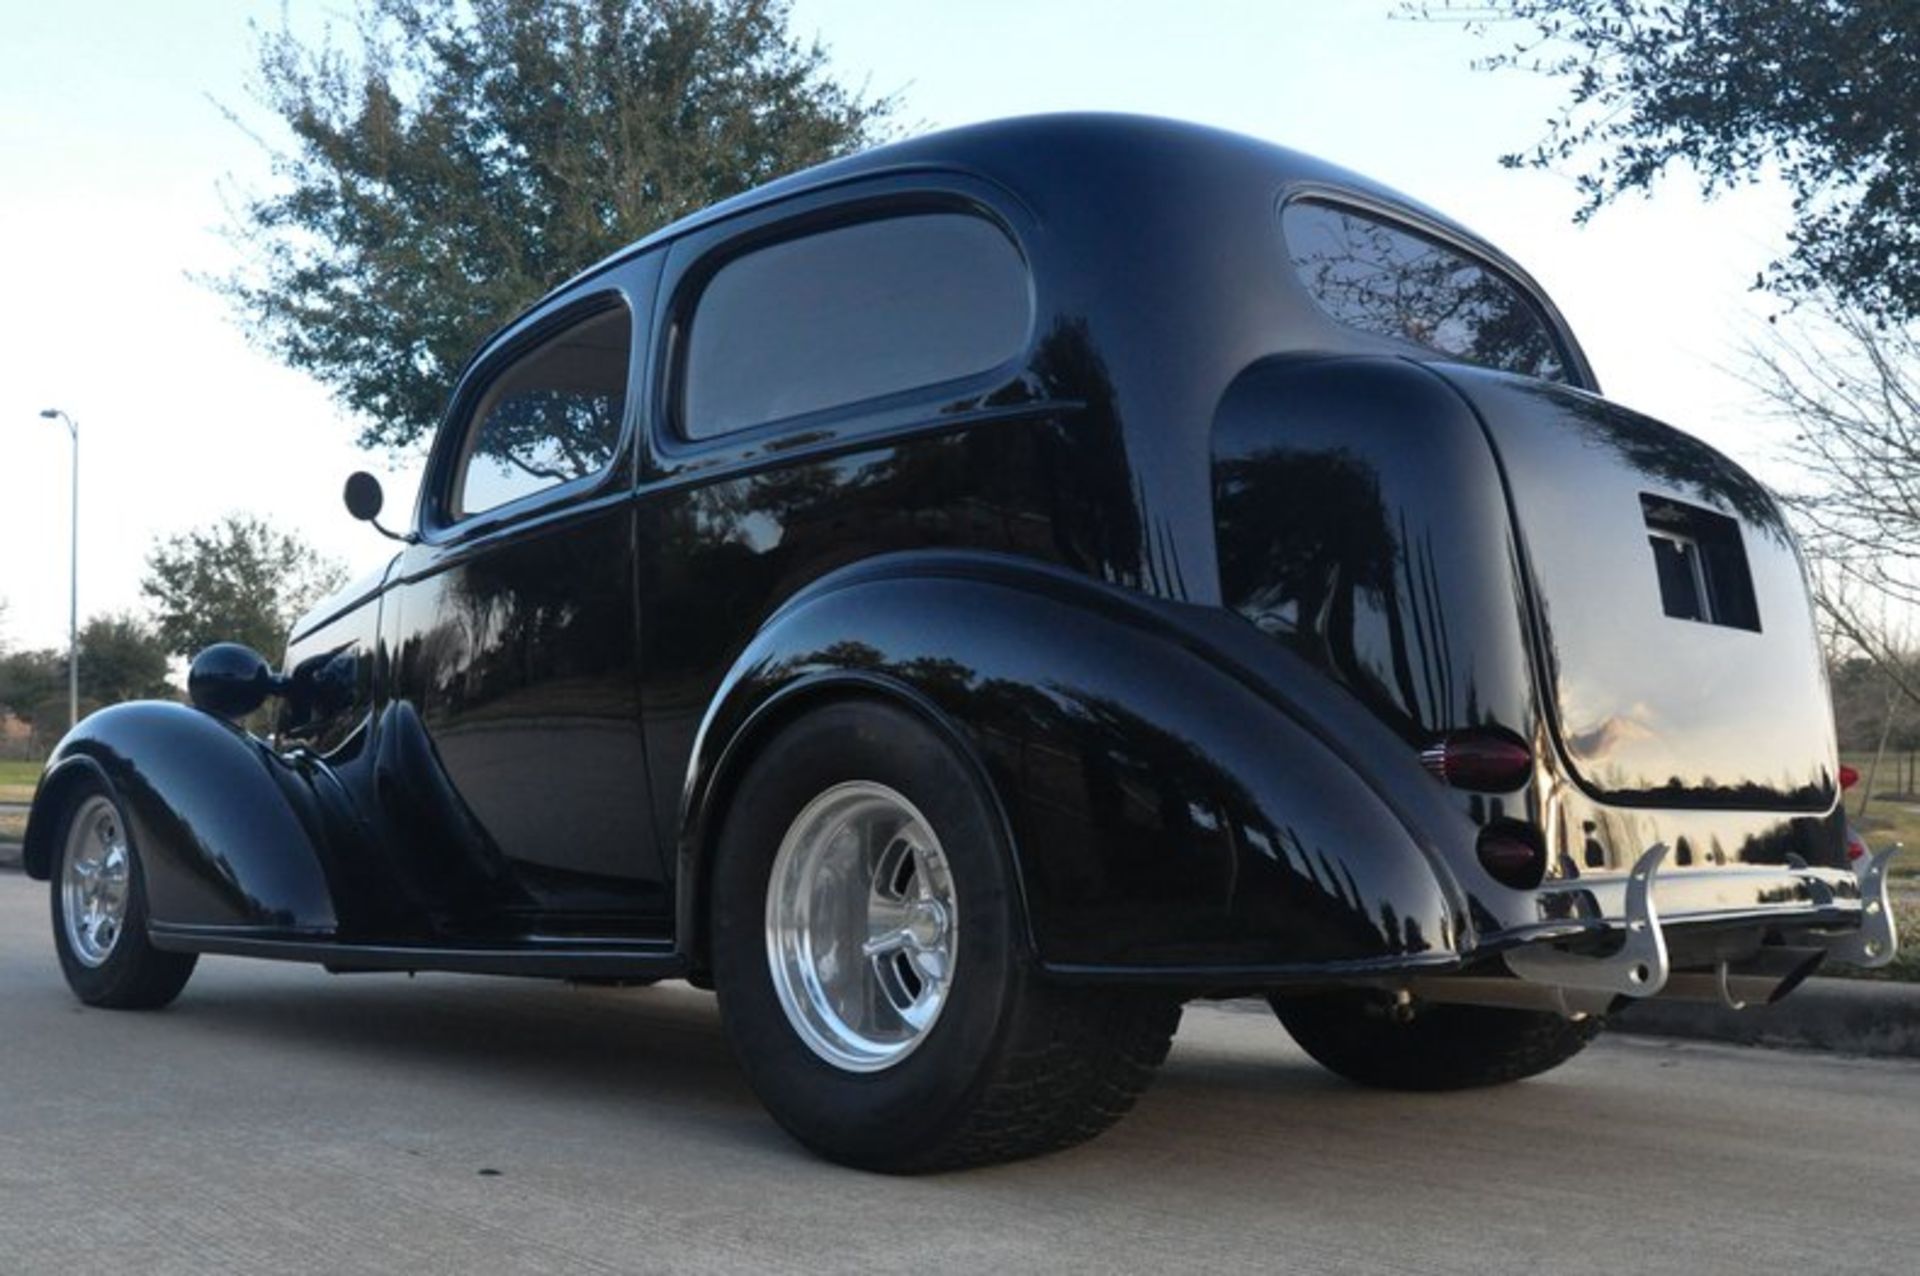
pixel 9 855
pixel 1850 1016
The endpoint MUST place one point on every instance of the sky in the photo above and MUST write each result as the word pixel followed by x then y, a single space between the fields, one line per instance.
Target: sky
pixel 118 165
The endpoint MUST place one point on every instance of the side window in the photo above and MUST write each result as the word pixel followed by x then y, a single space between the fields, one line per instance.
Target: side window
pixel 553 416
pixel 846 315
pixel 1379 278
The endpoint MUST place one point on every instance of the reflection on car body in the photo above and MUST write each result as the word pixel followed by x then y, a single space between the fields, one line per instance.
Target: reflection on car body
pixel 965 600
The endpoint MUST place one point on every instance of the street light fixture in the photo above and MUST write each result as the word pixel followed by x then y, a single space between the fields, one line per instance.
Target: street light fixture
pixel 73 576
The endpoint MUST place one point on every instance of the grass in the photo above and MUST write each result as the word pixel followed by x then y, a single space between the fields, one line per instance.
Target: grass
pixel 1906 965
pixel 17 780
pixel 1889 816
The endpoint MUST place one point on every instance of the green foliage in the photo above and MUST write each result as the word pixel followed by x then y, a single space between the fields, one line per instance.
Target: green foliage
pixel 121 658
pixel 465 156
pixel 1824 92
pixel 237 580
pixel 30 682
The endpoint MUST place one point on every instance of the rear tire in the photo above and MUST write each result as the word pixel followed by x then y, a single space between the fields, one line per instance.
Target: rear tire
pixel 950 1049
pixel 99 903
pixel 1440 1047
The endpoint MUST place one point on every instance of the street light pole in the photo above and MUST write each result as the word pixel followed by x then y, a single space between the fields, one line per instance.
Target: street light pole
pixel 73 576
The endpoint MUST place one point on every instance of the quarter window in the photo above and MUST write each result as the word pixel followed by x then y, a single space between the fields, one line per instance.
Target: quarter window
pixel 553 416
pixel 851 314
pixel 1379 278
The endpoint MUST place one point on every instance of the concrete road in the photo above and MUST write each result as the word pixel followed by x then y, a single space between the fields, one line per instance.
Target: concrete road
pixel 278 1119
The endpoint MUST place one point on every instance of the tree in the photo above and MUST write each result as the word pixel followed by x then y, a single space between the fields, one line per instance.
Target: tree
pixel 1849 387
pixel 237 580
pixel 29 679
pixel 1824 92
pixel 465 156
pixel 121 658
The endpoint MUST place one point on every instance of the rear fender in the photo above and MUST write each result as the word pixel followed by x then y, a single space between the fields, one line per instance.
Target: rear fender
pixel 227 829
pixel 1163 813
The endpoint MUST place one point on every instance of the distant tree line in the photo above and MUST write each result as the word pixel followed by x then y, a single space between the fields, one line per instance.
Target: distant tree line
pixel 238 579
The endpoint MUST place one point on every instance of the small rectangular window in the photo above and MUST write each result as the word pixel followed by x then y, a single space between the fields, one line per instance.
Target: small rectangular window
pixel 554 415
pixel 1700 564
pixel 851 314
pixel 1683 578
pixel 1379 278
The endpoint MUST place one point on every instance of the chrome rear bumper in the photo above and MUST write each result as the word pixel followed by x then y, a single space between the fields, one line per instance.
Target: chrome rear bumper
pixel 1599 950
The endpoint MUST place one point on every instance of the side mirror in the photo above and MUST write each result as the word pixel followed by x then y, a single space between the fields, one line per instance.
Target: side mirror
pixel 230 681
pixel 365 500
pixel 363 496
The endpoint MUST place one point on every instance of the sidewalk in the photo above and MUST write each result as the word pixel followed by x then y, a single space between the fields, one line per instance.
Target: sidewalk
pixel 1851 1016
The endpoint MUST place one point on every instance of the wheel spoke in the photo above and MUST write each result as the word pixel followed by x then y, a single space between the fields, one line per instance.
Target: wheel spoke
pixel 931 963
pixel 888 941
pixel 925 882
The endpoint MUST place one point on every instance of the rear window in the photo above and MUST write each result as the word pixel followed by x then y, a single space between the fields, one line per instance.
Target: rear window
pixel 1380 278
pixel 851 314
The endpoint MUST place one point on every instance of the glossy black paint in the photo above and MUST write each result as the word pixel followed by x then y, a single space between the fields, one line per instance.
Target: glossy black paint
pixel 1654 711
pixel 231 832
pixel 1191 581
pixel 229 680
pixel 1144 769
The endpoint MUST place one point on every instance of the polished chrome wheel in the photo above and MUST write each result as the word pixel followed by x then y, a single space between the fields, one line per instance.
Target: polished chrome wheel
pixel 96 881
pixel 862 926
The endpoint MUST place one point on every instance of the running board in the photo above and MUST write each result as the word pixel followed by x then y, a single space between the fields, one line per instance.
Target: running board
pixel 550 958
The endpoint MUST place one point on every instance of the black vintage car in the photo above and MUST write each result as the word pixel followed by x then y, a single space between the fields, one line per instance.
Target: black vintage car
pixel 963 601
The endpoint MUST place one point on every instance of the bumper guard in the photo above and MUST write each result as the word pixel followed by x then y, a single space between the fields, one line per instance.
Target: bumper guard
pixel 1584 983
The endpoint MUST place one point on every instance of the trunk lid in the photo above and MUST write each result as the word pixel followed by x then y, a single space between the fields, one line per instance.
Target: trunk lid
pixel 1673 624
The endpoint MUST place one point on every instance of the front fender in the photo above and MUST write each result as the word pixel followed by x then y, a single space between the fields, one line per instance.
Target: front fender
pixel 226 828
pixel 1165 813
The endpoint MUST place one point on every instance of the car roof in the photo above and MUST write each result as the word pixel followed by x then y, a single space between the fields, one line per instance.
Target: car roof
pixel 1024 155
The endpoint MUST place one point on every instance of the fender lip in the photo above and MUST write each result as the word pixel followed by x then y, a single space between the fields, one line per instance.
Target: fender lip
pixel 1233 872
pixel 697 829
pixel 36 844
pixel 217 814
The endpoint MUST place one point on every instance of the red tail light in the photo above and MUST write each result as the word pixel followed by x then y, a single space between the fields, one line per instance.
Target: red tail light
pixel 1513 855
pixel 1484 761
pixel 1848 776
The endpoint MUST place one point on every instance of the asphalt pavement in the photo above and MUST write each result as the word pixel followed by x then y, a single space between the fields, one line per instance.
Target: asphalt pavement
pixel 280 1119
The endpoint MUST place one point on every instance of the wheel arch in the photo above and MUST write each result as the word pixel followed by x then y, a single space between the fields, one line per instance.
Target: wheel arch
pixel 710 793
pixel 1168 808
pixel 227 830
pixel 37 848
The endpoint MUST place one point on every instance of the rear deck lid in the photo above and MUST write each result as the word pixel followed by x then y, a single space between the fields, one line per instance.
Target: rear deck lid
pixel 1675 631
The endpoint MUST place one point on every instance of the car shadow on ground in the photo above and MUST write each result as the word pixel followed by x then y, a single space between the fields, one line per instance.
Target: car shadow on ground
pixel 599 1042
pixel 657 1050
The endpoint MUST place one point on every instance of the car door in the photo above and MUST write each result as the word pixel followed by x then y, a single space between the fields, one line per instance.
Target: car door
pixel 514 647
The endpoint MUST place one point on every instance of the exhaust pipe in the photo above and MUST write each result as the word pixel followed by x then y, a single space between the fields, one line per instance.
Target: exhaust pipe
pixel 1765 978
pixel 1769 976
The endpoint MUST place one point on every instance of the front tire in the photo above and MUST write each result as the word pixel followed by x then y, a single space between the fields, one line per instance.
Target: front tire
pixel 99 902
pixel 1361 1036
pixel 872 971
